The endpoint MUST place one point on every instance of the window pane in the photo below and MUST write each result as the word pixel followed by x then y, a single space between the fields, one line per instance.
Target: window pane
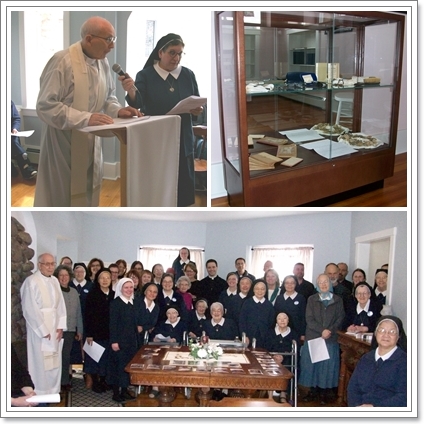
pixel 283 258
pixel 43 32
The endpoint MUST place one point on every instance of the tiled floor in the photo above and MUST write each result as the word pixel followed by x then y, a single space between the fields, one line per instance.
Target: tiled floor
pixel 81 396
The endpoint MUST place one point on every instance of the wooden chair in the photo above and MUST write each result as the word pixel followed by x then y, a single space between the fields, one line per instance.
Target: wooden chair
pixel 247 403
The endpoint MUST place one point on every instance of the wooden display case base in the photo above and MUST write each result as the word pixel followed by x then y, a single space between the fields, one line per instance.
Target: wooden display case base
pixel 318 184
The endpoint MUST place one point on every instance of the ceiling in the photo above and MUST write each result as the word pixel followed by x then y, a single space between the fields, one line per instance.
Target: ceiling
pixel 196 216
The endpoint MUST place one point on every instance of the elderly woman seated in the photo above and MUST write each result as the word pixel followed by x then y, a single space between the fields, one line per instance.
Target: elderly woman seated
pixel 219 327
pixel 362 311
pixel 380 376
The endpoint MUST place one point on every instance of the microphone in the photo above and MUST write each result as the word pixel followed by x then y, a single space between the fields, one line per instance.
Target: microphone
pixel 117 68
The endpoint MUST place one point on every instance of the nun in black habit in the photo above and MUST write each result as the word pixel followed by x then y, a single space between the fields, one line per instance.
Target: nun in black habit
pixel 161 84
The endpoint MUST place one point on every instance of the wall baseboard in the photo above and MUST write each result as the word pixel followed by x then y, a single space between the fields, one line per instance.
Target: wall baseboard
pixel 111 170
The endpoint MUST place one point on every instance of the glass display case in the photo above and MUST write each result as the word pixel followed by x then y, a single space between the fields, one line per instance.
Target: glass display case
pixel 308 103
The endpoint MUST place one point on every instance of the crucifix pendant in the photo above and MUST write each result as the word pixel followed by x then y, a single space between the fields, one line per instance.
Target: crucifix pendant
pixel 171 89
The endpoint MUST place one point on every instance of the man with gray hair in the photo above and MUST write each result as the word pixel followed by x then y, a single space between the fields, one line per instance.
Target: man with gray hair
pixel 332 271
pixel 343 271
pixel 76 91
pixel 44 310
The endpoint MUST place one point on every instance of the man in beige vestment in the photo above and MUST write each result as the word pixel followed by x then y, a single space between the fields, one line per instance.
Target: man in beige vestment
pixel 44 310
pixel 76 91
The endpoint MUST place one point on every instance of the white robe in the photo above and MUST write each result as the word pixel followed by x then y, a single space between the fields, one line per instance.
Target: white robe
pixel 44 310
pixel 54 108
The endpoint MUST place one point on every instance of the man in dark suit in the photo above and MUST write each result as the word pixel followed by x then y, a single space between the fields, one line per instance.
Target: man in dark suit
pixel 241 269
pixel 212 285
pixel 332 271
pixel 304 287
pixel 343 271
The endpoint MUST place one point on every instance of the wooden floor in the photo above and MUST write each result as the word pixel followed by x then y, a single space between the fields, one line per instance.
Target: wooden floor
pixel 22 194
pixel 394 192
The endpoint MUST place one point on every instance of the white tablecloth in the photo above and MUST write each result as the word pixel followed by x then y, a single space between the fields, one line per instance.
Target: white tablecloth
pixel 153 149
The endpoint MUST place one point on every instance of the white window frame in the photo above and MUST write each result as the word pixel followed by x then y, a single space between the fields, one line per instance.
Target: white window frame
pixel 150 255
pixel 284 257
pixel 30 54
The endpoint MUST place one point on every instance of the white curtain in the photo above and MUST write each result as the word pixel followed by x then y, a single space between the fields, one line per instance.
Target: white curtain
pixel 165 255
pixel 283 258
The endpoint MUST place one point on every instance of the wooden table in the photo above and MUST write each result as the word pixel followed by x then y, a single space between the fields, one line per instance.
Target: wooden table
pixel 352 350
pixel 150 367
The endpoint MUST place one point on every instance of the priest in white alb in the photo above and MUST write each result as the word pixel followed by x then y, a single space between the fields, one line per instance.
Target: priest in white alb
pixel 44 311
pixel 76 90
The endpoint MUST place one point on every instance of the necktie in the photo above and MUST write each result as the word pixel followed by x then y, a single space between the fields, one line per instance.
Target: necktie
pixel 379 363
pixel 79 288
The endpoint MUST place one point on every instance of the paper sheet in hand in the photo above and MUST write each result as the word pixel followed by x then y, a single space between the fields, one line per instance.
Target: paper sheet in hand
pixel 94 350
pixel 53 398
pixel 24 133
pixel 187 104
pixel 318 350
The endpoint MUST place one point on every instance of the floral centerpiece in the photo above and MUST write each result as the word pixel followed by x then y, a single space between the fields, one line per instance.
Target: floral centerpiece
pixel 203 351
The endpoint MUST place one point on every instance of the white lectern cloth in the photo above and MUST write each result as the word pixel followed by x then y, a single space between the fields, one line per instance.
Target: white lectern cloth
pixel 153 150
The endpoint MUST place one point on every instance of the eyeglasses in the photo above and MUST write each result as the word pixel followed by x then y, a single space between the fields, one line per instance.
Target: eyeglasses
pixel 389 332
pixel 173 53
pixel 108 40
pixel 48 263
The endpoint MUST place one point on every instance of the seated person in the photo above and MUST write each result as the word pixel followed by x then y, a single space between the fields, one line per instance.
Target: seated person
pixel 196 319
pixel 172 329
pixel 18 152
pixel 220 328
pixel 280 340
pixel 380 376
pixel 21 383
pixel 292 303
pixel 362 311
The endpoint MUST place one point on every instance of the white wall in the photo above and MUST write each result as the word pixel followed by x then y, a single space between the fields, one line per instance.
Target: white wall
pixel 328 233
pixel 111 239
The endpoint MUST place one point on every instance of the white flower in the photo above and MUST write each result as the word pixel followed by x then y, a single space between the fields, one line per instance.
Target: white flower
pixel 219 350
pixel 202 353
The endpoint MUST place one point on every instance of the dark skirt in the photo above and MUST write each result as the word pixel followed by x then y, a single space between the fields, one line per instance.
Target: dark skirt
pixel 323 374
pixel 100 368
